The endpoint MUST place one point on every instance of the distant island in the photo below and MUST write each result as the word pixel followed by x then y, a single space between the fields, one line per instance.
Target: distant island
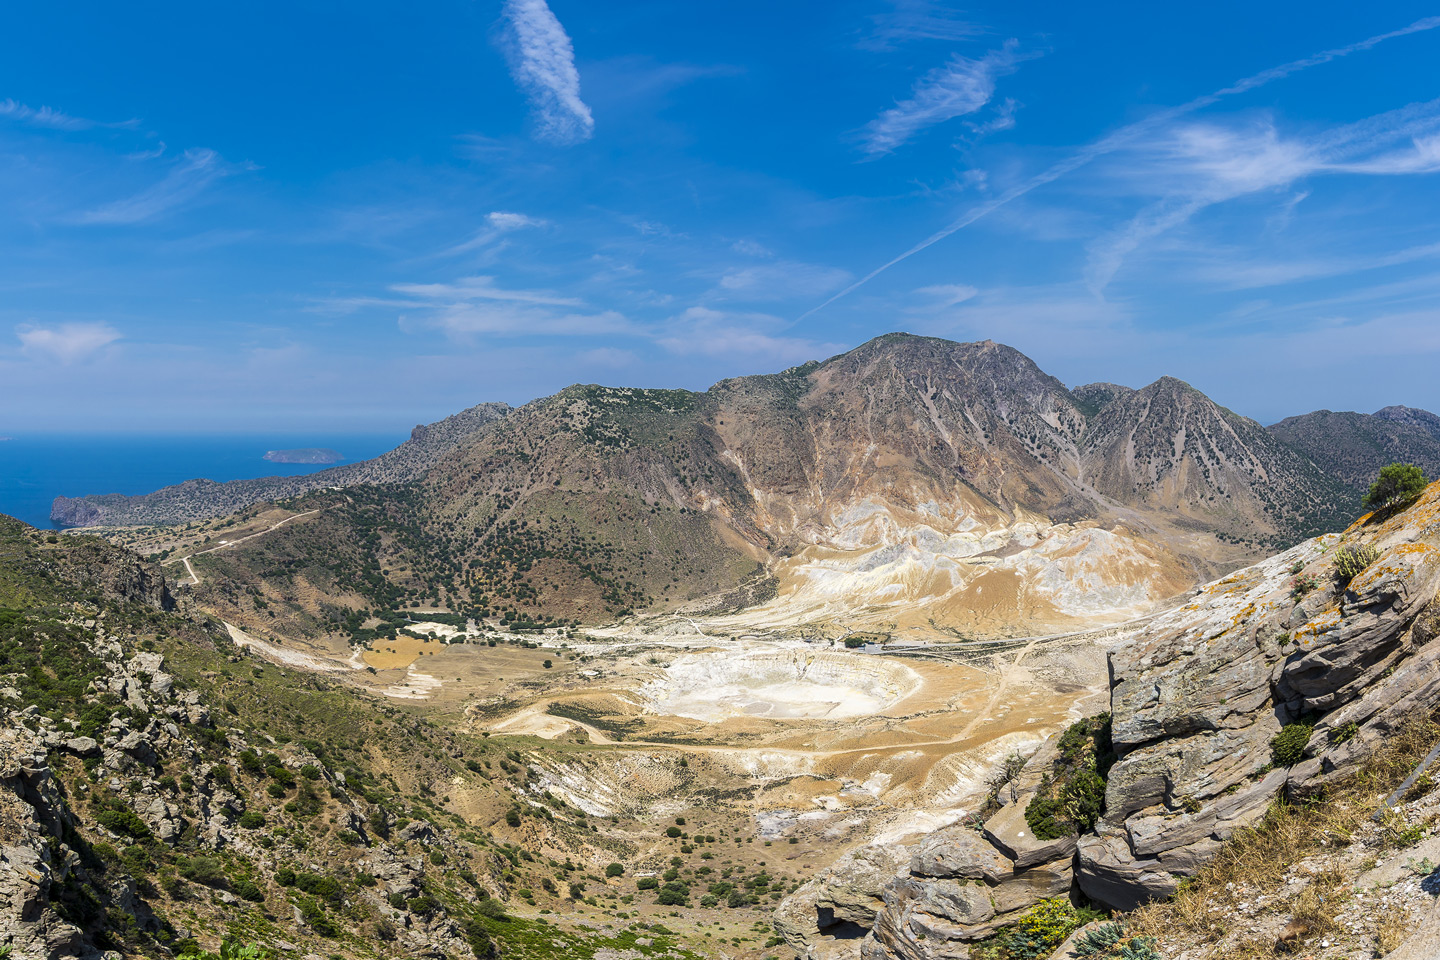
pixel 304 455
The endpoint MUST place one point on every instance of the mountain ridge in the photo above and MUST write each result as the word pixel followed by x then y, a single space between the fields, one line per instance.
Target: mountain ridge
pixel 909 482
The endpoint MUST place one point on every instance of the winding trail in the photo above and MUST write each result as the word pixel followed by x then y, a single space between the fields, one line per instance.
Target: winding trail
pixel 195 578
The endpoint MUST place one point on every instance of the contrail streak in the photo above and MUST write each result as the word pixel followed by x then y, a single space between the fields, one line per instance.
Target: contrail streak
pixel 1123 136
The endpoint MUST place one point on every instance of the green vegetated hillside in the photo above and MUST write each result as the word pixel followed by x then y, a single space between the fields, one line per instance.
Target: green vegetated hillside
pixel 161 791
pixel 1354 446
pixel 599 501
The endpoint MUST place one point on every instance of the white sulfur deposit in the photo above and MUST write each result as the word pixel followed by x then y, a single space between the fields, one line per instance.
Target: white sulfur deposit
pixel 796 684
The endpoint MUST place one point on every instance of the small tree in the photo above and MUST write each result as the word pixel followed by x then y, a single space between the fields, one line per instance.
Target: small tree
pixel 1398 483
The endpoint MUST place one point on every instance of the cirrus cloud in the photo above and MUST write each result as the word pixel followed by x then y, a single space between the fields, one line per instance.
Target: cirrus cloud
pixel 542 61
pixel 959 88
pixel 66 343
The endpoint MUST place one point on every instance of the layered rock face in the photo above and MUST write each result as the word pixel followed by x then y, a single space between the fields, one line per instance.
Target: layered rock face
pixel 962 885
pixel 1196 702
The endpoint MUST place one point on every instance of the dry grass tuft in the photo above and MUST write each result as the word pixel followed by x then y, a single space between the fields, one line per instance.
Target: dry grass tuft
pixel 1258 859
pixel 1392 927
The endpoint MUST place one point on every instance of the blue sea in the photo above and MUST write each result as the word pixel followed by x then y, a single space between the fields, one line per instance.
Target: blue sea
pixel 35 469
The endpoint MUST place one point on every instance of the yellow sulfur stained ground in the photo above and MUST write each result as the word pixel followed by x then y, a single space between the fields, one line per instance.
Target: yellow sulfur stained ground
pixel 399 653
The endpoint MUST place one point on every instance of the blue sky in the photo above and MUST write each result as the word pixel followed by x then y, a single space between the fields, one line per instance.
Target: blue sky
pixel 340 216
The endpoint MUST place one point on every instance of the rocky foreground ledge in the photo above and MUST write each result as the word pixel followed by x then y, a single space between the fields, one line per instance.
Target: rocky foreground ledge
pixel 1278 680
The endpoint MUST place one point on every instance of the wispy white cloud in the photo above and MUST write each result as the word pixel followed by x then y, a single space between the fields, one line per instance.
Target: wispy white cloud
pixel 1248 273
pixel 481 288
pixel 702 331
pixel 780 280
pixel 195 171
pixel 466 320
pixel 52 119
pixel 1125 136
pixel 916 20
pixel 942 296
pixel 750 248
pixel 475 306
pixel 1197 166
pixel 503 220
pixel 1004 119
pixel 542 61
pixel 497 224
pixel 959 88
pixel 68 342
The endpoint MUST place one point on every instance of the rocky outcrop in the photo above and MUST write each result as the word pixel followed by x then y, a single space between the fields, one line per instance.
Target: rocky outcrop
pixel 32 818
pixel 963 884
pixel 826 916
pixel 1196 701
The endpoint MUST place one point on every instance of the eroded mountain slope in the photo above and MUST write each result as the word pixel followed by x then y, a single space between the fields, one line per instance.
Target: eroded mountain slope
pixel 909 483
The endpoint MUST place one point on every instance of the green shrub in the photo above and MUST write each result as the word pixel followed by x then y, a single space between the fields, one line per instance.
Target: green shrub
pixel 137 859
pixel 125 821
pixel 248 890
pixel 206 871
pixel 1036 934
pixel 327 888
pixel 1072 796
pixel 1109 942
pixel 492 908
pixel 1397 483
pixel 479 939
pixel 317 919
pixel 310 772
pixel 278 772
pixel 646 883
pixel 614 870
pixel 1287 747
pixel 1350 560
pixel 252 820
